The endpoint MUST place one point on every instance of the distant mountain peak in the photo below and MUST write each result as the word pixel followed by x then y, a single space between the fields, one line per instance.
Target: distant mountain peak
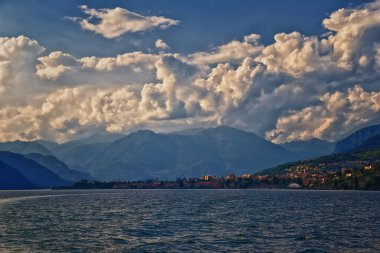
pixel 223 129
pixel 145 131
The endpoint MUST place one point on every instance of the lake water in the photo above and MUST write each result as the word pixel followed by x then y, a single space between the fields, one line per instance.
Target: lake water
pixel 189 220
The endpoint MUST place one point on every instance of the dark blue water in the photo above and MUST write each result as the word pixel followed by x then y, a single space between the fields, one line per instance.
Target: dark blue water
pixel 189 220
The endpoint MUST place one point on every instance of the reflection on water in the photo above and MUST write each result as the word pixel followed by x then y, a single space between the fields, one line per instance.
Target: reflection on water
pixel 189 220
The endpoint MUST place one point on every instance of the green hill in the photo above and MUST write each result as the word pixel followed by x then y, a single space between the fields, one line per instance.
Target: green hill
pixel 357 170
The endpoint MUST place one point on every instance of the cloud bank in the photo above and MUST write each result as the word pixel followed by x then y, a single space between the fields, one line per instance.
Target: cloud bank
pixel 296 88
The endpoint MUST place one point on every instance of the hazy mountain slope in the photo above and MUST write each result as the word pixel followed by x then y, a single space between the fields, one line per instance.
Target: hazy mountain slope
pixel 23 147
pixel 145 154
pixel 310 148
pixel 58 167
pixel 190 131
pixel 34 172
pixel 12 179
pixel 49 145
pixel 218 151
pixel 354 140
pixel 75 154
pixel 76 157
pixel 371 143
pixel 41 151
pixel 93 139
pixel 244 150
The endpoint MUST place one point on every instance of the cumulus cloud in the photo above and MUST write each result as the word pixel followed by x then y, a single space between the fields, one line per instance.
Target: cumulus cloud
pixel 160 44
pixel 55 64
pixel 354 30
pixel 230 52
pixel 297 55
pixel 115 22
pixel 64 69
pixel 297 87
pixel 17 59
pixel 137 61
pixel 68 111
pixel 337 114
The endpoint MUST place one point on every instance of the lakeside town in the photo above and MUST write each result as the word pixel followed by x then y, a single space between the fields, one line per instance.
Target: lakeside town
pixel 358 175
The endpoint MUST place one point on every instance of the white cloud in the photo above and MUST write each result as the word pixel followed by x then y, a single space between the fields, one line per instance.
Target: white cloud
pixel 4 75
pixel 338 114
pixel 55 64
pixel 233 51
pixel 137 61
pixel 160 44
pixel 17 59
pixel 63 69
pixel 51 66
pixel 296 55
pixel 351 28
pixel 115 22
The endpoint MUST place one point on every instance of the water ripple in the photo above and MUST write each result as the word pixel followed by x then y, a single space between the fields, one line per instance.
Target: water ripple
pixel 189 220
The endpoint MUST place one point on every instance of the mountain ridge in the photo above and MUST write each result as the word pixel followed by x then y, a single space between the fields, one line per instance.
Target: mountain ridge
pixel 58 167
pixel 37 174
pixel 354 140
pixel 12 179
pixel 24 147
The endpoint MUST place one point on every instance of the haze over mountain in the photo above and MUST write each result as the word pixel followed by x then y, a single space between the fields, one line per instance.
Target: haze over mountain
pixel 58 167
pixel 94 138
pixel 77 153
pixel 353 141
pixel 24 147
pixel 310 148
pixel 37 151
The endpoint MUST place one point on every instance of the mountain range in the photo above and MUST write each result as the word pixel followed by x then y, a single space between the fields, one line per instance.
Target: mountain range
pixel 218 151
pixel 58 167
pixel 77 153
pixel 145 154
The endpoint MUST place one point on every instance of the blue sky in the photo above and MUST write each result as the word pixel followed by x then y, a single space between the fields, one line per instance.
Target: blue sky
pixel 286 70
pixel 204 24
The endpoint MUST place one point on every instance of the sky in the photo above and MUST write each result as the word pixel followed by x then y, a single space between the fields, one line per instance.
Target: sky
pixel 286 70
